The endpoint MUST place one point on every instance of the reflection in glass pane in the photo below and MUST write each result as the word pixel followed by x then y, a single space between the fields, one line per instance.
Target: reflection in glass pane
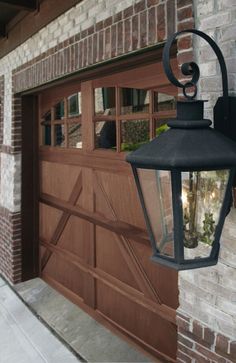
pixel 105 135
pixel 59 132
pixel 46 129
pixel 156 188
pixel 74 105
pixel 202 197
pixel 164 102
pixel 134 134
pixel 46 133
pixel 105 101
pixel 134 100
pixel 59 110
pixel 47 116
pixel 75 135
pixel 160 126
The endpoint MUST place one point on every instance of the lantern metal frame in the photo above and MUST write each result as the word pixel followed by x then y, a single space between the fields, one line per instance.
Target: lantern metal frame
pixel 151 157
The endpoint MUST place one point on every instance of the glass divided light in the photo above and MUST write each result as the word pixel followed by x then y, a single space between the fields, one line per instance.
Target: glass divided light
pixel 203 193
pixel 138 114
pixel 134 134
pixel 134 101
pixel 105 101
pixel 74 105
pixel 62 125
pixel 105 135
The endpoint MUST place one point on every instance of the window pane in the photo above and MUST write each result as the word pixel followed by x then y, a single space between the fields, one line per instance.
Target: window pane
pixel 46 129
pixel 59 110
pixel 157 194
pixel 59 132
pixel 46 134
pixel 105 101
pixel 47 116
pixel 134 134
pixel 105 135
pixel 74 105
pixel 164 102
pixel 75 135
pixel 202 197
pixel 134 100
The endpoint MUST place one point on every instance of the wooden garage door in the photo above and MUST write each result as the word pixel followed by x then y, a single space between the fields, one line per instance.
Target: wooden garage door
pixel 93 240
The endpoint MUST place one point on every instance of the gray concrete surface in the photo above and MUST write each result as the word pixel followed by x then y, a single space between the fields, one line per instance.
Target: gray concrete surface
pixel 91 340
pixel 23 338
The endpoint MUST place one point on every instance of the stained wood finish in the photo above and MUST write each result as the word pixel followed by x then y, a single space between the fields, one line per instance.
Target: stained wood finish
pixel 93 240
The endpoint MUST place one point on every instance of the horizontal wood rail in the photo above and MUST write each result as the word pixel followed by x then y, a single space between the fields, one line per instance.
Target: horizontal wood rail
pixel 136 116
pixel 148 347
pixel 104 160
pixel 119 227
pixel 161 310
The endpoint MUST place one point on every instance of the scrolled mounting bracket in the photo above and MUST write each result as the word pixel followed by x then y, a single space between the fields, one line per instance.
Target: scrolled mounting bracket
pixel 225 107
pixel 192 69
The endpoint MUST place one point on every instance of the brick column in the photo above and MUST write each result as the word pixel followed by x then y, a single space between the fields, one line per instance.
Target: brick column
pixel 207 313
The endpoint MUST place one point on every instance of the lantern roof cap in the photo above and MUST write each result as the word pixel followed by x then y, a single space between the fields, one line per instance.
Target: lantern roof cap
pixel 189 144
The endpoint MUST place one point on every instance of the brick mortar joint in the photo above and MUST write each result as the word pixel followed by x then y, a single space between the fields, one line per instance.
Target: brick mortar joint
pixel 72 40
pixel 190 321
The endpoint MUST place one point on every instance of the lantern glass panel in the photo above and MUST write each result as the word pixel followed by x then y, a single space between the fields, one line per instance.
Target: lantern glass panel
pixel 203 194
pixel 157 194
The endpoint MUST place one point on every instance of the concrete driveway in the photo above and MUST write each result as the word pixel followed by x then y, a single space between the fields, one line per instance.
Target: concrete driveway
pixel 23 338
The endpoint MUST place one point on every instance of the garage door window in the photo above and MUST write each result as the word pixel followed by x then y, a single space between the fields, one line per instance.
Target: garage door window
pixel 61 125
pixel 125 118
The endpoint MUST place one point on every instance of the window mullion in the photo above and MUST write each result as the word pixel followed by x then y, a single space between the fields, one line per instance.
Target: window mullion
pixel 118 122
pixel 66 122
pixel 52 126
pixel 151 118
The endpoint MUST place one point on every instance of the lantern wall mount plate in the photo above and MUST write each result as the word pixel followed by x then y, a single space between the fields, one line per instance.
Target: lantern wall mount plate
pixel 185 176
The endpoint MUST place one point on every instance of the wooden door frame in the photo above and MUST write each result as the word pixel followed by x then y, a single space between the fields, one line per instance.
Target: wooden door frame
pixel 29 188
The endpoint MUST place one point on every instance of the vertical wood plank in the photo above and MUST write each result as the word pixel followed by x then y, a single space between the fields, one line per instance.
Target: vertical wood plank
pixel 87 197
pixel 88 232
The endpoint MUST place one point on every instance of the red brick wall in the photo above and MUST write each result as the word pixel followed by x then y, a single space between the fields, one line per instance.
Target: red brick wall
pixel 1 108
pixel 197 343
pixel 10 222
pixel 146 23
pixel 10 245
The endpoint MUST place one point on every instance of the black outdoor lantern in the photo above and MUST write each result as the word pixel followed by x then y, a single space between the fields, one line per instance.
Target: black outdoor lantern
pixel 185 176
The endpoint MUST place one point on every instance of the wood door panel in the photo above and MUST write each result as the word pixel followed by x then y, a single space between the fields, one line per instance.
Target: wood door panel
pixel 147 326
pixel 109 257
pixel 46 214
pixel 67 274
pixel 73 239
pixel 52 176
pixel 160 276
pixel 116 194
